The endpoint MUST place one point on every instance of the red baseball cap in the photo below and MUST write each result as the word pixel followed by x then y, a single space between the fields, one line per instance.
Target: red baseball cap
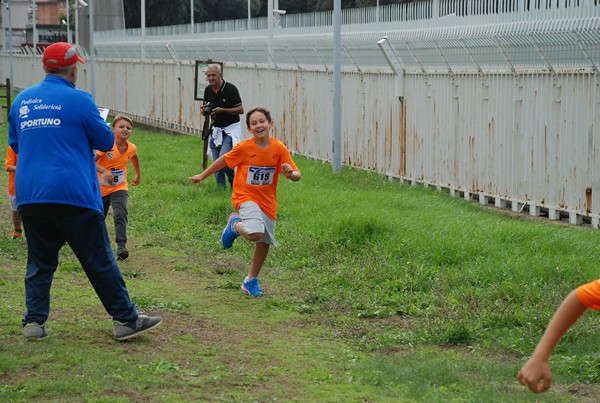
pixel 60 54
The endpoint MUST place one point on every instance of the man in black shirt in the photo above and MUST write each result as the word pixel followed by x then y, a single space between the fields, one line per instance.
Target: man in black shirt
pixel 223 104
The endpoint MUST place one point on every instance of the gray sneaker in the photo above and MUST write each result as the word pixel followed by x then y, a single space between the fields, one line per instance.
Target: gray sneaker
pixel 127 330
pixel 34 331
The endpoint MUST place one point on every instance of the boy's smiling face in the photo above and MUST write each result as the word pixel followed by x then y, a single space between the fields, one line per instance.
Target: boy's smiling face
pixel 259 126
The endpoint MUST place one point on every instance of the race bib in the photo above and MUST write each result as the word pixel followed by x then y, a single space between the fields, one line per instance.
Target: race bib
pixel 259 176
pixel 118 176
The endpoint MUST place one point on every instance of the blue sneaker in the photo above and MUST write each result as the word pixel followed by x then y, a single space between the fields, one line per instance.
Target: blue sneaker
pixel 252 287
pixel 229 234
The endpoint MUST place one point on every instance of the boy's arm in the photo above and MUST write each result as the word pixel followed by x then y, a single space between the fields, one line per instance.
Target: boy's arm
pixel 288 172
pixel 218 164
pixel 135 161
pixel 537 368
pixel 106 174
pixel 11 161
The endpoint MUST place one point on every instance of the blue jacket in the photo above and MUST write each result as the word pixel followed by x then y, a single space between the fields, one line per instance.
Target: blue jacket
pixel 55 128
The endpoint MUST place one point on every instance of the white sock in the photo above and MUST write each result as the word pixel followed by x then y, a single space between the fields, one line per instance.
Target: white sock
pixel 233 227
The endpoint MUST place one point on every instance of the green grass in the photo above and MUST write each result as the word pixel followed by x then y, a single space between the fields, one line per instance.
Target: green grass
pixel 378 291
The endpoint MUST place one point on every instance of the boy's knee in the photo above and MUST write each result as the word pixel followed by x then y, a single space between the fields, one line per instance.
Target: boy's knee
pixel 255 237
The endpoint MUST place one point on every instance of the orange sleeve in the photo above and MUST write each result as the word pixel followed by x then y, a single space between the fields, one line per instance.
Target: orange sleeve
pixel 11 159
pixel 589 294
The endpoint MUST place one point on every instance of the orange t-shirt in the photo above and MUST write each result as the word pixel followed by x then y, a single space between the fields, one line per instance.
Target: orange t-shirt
pixel 11 159
pixel 589 294
pixel 257 173
pixel 117 163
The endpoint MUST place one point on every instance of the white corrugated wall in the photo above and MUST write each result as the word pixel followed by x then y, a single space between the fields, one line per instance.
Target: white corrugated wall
pixel 491 112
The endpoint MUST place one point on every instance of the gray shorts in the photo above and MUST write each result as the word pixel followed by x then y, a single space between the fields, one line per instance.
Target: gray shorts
pixel 13 202
pixel 256 221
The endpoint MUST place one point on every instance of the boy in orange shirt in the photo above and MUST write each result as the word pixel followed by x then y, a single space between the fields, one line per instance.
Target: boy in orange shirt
pixel 112 174
pixel 11 168
pixel 536 373
pixel 259 161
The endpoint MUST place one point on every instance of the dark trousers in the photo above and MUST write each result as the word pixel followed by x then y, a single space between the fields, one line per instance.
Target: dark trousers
pixel 118 200
pixel 48 228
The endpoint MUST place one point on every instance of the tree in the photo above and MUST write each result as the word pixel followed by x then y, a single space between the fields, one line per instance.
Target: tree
pixel 219 10
pixel 158 13
pixel 294 6
pixel 174 12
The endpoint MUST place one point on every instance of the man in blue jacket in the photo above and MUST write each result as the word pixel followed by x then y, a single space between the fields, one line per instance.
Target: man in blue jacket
pixel 54 128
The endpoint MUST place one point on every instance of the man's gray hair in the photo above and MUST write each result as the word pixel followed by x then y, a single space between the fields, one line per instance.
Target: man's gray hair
pixel 215 66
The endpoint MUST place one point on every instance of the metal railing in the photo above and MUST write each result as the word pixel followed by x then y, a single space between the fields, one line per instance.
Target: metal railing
pixel 413 11
pixel 465 35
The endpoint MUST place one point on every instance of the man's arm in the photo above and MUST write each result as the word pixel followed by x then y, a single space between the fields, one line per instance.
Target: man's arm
pixel 99 133
pixel 236 110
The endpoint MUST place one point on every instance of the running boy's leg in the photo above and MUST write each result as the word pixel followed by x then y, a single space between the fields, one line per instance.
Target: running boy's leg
pixel 106 204
pixel 119 200
pixel 241 229
pixel 16 217
pixel 261 251
pixel 257 227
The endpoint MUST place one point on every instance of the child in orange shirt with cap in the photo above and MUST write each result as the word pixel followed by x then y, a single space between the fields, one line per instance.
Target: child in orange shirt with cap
pixel 536 373
pixel 258 162
pixel 11 168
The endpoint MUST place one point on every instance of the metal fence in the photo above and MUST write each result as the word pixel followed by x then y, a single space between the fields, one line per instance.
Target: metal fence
pixel 493 101
pixel 428 35
pixel 417 10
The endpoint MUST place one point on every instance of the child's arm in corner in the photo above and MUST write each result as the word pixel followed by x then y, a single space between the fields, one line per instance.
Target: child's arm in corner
pixel 536 373
pixel 217 165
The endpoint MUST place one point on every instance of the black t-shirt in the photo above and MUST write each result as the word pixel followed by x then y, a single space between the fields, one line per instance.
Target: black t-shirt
pixel 228 96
